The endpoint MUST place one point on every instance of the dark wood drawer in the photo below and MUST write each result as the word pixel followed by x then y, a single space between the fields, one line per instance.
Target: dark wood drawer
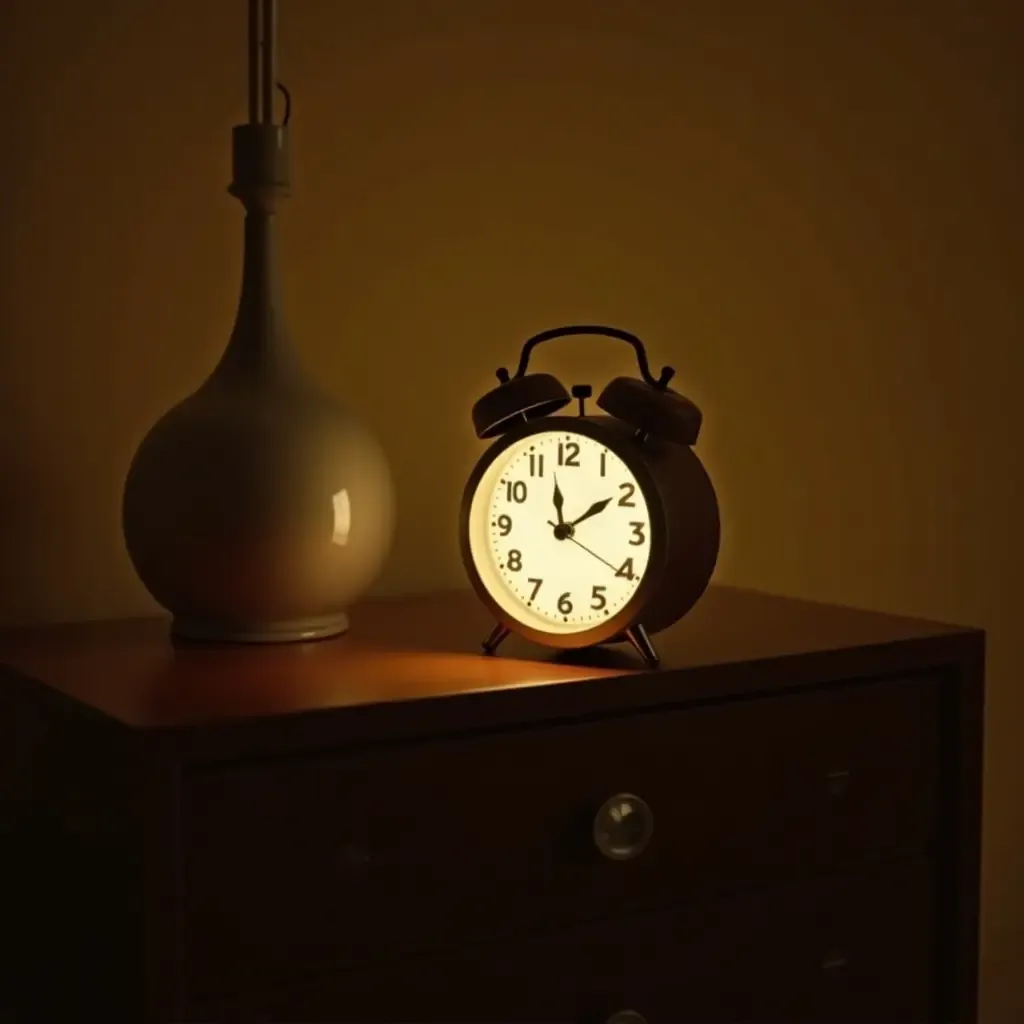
pixel 316 861
pixel 854 950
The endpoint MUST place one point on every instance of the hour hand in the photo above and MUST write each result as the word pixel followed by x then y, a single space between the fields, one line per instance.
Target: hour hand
pixel 559 501
pixel 598 506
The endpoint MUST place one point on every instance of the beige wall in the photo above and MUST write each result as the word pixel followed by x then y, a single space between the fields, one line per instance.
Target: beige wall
pixel 814 214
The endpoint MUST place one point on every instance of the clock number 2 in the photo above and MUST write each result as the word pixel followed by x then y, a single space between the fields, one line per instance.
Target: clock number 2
pixel 627 494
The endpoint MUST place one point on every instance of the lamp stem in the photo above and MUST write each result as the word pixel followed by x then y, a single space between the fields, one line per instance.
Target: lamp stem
pixel 269 69
pixel 255 32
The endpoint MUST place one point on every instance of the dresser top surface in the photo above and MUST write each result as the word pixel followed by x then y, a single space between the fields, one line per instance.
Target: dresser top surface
pixel 403 649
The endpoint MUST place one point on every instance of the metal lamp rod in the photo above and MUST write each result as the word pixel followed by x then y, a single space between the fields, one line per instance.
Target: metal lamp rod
pixel 255 33
pixel 269 69
pixel 262 60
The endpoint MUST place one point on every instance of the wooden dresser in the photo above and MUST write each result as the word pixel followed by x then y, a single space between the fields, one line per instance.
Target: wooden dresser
pixel 781 824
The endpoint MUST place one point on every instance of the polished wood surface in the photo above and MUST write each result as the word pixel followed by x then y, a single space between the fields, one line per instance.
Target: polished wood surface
pixel 740 795
pixel 427 646
pixel 393 826
pixel 819 952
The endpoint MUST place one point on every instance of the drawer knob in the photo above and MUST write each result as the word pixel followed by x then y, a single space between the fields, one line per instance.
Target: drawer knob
pixel 626 1017
pixel 622 828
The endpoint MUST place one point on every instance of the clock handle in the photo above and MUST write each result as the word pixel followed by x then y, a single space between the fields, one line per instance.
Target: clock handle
pixel 667 373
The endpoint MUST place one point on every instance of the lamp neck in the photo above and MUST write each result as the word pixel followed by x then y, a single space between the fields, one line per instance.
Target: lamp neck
pixel 260 344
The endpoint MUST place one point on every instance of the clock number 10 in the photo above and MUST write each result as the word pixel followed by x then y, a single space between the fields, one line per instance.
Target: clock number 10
pixel 515 490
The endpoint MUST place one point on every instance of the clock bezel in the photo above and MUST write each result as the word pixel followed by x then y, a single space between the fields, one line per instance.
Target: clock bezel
pixel 627 447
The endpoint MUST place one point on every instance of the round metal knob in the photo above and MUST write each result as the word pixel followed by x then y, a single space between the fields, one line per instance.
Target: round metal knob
pixel 626 1017
pixel 623 827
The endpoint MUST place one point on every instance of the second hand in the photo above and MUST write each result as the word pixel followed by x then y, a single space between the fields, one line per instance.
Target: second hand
pixel 588 551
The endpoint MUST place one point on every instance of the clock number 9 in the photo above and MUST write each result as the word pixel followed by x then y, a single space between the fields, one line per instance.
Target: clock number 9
pixel 505 525
pixel 564 604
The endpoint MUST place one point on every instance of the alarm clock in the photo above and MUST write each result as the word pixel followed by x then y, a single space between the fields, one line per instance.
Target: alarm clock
pixel 587 529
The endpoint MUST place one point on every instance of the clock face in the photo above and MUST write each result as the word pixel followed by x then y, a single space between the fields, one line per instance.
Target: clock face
pixel 559 532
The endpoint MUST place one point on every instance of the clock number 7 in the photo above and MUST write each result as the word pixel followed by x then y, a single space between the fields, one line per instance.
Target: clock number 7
pixel 536 587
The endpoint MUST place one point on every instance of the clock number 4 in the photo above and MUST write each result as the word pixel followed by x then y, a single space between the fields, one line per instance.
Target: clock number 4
pixel 568 453
pixel 626 569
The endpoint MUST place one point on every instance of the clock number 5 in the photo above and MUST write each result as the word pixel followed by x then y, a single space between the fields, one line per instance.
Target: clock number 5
pixel 599 600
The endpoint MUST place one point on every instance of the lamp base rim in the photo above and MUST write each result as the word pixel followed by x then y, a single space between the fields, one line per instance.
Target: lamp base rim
pixel 291 631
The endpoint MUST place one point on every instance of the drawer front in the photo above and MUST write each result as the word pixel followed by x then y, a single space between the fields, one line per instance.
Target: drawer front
pixel 300 863
pixel 853 951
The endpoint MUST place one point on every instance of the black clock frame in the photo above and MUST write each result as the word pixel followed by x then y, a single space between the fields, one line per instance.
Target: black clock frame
pixel 624 624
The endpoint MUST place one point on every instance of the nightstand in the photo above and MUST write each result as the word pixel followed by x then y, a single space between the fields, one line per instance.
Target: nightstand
pixel 779 824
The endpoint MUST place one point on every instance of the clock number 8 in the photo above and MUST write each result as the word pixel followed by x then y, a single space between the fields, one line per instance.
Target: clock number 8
pixel 515 560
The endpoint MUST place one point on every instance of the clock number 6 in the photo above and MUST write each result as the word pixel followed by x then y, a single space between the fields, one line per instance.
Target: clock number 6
pixel 564 604
pixel 599 600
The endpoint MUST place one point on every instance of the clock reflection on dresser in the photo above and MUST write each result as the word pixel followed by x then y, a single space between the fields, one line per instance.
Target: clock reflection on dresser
pixel 779 824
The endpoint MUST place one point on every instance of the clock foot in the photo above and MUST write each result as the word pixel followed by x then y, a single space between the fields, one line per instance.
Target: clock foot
pixel 494 639
pixel 638 637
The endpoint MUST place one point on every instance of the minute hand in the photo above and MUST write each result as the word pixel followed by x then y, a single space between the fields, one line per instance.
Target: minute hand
pixel 598 506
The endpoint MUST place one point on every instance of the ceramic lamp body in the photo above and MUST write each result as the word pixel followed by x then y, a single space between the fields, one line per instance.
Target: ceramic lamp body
pixel 258 510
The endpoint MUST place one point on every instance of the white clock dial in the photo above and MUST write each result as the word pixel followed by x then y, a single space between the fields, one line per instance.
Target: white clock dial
pixel 569 577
